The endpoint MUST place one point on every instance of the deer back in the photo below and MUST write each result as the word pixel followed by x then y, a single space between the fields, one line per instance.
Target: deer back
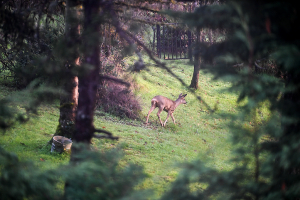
pixel 163 102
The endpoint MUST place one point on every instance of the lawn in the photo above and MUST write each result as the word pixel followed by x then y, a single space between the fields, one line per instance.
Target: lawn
pixel 199 133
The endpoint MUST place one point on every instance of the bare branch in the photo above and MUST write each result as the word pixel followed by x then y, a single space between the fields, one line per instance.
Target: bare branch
pixel 108 135
pixel 256 65
pixel 105 137
pixel 239 65
pixel 171 25
pixel 110 78
pixel 136 7
pixel 102 131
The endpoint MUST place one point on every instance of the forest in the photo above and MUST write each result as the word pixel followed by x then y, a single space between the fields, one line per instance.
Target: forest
pixel 157 99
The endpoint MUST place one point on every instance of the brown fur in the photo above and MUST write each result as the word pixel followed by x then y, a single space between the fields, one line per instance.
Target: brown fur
pixel 163 103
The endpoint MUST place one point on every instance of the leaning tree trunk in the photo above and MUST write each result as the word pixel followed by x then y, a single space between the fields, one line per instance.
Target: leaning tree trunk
pixel 195 79
pixel 69 99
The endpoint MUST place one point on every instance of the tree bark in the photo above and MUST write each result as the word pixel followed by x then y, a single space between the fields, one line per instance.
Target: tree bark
pixel 68 106
pixel 190 53
pixel 195 78
pixel 158 43
pixel 88 83
pixel 69 100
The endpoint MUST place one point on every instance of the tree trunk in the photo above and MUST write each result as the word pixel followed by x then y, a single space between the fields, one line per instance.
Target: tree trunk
pixel 69 100
pixel 158 44
pixel 68 106
pixel 195 79
pixel 88 82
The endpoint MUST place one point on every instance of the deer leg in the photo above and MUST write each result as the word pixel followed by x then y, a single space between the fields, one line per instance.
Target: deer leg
pixel 167 119
pixel 173 118
pixel 158 115
pixel 151 109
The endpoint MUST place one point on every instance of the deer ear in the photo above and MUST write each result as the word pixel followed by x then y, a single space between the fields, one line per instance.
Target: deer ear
pixel 180 95
pixel 184 95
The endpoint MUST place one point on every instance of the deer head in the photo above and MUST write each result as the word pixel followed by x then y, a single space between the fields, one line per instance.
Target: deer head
pixel 181 98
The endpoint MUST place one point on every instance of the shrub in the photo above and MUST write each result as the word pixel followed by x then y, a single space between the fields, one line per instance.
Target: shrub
pixel 118 100
pixel 26 63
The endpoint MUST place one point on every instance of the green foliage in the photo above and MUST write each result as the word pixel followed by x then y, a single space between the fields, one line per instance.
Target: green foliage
pixel 29 99
pixel 14 22
pixel 97 175
pixel 267 165
pixel 29 31
pixel 198 131
pixel 27 63
pixel 265 161
pixel 27 58
pixel 155 148
pixel 21 179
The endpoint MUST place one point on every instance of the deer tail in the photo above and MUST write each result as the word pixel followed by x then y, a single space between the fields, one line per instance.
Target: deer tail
pixel 154 102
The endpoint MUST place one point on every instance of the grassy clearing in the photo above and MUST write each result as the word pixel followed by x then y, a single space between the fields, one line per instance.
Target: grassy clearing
pixel 198 133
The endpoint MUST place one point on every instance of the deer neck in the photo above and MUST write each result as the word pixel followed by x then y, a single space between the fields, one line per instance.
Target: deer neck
pixel 177 103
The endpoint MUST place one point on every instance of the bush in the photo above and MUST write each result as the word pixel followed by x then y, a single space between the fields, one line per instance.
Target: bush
pixel 27 62
pixel 118 100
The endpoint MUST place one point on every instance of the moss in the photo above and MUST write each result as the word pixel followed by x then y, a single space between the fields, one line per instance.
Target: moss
pixel 66 132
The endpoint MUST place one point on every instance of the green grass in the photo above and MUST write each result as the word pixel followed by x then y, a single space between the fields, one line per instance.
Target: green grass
pixel 199 133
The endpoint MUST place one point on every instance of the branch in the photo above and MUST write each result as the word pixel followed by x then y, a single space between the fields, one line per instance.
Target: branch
pixel 110 78
pixel 137 7
pixel 167 24
pixel 242 64
pixel 256 65
pixel 107 136
pixel 171 25
pixel 239 65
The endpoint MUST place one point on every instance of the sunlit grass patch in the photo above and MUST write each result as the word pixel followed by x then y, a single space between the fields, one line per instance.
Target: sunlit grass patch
pixel 201 131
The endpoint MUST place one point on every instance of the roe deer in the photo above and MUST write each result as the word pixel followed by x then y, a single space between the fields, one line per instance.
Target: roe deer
pixel 163 103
